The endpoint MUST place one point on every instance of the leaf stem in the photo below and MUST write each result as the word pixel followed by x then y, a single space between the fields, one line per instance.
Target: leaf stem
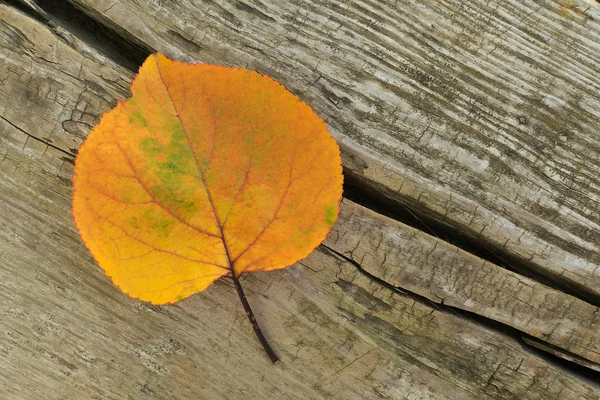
pixel 255 326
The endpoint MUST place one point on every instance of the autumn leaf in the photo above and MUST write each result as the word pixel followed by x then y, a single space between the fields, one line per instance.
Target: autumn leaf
pixel 205 172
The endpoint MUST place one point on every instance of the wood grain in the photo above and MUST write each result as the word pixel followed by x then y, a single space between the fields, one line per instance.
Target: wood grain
pixel 410 259
pixel 69 333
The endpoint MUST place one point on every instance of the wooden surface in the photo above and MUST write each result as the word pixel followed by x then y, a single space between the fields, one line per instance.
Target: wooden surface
pixel 479 116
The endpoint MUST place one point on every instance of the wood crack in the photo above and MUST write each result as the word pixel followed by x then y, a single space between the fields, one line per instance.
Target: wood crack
pixel 115 46
pixel 363 193
pixel 70 156
pixel 525 339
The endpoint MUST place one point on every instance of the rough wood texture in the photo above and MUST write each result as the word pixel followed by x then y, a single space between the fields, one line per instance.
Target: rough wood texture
pixel 350 321
pixel 413 260
pixel 410 259
pixel 480 114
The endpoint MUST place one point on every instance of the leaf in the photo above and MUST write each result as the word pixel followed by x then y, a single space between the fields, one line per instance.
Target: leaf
pixel 206 171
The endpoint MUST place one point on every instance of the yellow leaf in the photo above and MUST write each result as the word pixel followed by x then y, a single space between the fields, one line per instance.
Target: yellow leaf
pixel 206 171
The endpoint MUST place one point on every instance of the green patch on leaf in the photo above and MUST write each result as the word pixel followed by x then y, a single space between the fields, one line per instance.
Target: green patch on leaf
pixel 150 146
pixel 330 214
pixel 138 120
pixel 133 221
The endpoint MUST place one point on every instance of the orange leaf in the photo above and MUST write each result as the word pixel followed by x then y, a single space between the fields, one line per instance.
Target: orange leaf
pixel 206 171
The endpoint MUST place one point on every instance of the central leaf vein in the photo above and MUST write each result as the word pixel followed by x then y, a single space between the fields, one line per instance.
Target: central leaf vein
pixel 200 172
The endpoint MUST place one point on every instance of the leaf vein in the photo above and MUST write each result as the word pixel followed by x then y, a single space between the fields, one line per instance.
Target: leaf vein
pixel 210 199
pixel 275 213
pixel 153 247
pixel 159 204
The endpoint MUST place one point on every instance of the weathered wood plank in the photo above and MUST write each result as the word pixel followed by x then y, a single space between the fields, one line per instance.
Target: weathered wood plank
pixel 69 333
pixel 410 259
pixel 479 114
pixel 52 106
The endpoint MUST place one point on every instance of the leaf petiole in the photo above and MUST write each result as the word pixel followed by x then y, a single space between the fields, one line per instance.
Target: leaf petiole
pixel 255 326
